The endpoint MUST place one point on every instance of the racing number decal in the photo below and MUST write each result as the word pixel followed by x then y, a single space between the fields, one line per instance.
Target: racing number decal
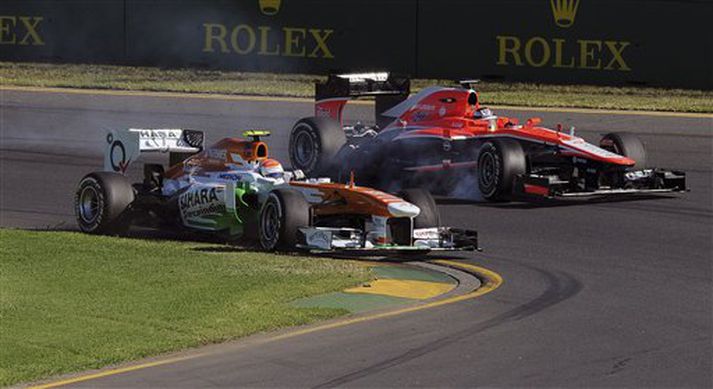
pixel 116 145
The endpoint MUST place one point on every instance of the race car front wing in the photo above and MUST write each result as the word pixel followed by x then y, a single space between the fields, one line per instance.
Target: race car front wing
pixel 328 239
pixel 640 182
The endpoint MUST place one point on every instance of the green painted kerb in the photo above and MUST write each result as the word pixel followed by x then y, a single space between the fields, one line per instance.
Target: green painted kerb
pixel 408 273
pixel 360 302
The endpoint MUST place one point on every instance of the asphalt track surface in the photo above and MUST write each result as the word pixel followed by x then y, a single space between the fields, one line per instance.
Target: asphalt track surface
pixel 595 294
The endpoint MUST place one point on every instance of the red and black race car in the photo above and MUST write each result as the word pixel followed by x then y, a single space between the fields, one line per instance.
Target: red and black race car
pixel 442 139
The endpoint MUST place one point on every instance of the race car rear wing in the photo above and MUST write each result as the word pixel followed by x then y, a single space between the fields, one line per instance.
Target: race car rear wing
pixel 356 85
pixel 124 146
pixel 332 95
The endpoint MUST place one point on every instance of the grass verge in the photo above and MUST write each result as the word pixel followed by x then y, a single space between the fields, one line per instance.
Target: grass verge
pixel 71 302
pixel 229 82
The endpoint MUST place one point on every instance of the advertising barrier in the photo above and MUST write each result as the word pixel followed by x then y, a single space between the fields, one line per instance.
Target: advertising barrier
pixel 62 31
pixel 310 36
pixel 607 42
pixel 613 42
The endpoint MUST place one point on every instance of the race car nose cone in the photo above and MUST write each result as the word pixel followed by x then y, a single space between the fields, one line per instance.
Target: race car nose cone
pixel 403 209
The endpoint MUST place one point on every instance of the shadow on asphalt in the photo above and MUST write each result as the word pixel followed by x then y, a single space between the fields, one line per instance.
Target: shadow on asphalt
pixel 521 203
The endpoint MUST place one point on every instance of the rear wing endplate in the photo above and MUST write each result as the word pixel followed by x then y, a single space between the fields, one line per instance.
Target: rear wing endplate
pixel 124 146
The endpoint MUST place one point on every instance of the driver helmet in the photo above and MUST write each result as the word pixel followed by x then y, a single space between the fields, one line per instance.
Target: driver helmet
pixel 271 168
pixel 483 113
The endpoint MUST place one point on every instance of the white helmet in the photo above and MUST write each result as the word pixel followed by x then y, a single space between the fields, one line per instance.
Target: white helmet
pixel 271 168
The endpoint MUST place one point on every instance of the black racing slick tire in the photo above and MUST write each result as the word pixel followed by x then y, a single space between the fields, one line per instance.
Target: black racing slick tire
pixel 500 161
pixel 626 144
pixel 429 216
pixel 314 142
pixel 281 216
pixel 101 203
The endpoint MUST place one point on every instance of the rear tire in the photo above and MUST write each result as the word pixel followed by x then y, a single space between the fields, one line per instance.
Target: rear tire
pixel 314 142
pixel 500 161
pixel 626 144
pixel 429 216
pixel 281 216
pixel 101 203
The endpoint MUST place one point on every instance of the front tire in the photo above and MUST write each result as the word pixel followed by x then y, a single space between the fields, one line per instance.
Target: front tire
pixel 429 216
pixel 314 142
pixel 281 216
pixel 101 203
pixel 500 161
pixel 627 145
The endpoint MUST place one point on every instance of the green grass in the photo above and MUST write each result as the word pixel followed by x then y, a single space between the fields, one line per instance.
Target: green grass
pixel 156 79
pixel 71 302
pixel 297 85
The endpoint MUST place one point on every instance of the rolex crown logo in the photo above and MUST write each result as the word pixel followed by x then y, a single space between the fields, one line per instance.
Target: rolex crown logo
pixel 269 7
pixel 564 11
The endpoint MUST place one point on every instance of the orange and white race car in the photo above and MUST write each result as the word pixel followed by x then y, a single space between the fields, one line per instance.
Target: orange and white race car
pixel 233 188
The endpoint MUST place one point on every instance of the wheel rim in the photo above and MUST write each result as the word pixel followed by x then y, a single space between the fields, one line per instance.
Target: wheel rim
pixel 89 204
pixel 487 172
pixel 304 149
pixel 270 224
